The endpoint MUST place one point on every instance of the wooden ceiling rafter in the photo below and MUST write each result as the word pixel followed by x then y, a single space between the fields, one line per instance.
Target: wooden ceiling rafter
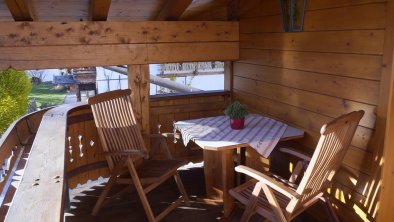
pixel 99 10
pixel 172 10
pixel 19 9
pixel 233 10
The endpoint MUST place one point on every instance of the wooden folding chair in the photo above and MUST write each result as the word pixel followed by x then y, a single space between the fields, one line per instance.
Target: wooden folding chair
pixel 126 153
pixel 280 201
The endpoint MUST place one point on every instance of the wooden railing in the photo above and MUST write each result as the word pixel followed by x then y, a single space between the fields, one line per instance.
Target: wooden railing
pixel 15 142
pixel 67 151
pixel 84 159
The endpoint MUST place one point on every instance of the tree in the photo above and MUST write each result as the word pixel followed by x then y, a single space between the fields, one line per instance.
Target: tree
pixel 15 87
pixel 37 75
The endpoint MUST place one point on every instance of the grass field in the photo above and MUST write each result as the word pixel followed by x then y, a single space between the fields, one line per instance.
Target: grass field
pixel 47 95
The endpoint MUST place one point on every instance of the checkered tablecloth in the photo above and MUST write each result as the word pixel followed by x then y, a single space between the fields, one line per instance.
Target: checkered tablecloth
pixel 260 132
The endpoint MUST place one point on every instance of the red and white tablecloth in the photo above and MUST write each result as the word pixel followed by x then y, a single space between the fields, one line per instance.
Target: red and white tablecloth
pixel 260 132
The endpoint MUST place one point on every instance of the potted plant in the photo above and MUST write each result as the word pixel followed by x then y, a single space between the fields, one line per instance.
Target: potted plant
pixel 237 112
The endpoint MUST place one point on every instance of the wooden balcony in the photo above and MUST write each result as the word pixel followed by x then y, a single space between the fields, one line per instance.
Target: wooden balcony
pixel 63 151
pixel 342 61
pixel 63 154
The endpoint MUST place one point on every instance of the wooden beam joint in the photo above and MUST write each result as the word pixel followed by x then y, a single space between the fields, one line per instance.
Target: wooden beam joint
pixel 173 10
pixel 99 10
pixel 19 9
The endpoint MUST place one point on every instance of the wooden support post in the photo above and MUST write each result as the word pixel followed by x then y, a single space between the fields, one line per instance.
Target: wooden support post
pixel 139 84
pixel 228 76
pixel 385 120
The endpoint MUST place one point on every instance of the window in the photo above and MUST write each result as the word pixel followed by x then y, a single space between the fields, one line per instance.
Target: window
pixel 186 77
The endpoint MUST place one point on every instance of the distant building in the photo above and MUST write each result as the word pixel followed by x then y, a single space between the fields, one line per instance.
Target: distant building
pixel 80 79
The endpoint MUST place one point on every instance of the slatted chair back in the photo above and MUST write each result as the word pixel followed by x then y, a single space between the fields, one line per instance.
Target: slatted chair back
pixel 334 142
pixel 116 124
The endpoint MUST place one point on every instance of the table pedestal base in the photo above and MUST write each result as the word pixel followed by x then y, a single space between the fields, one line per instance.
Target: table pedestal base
pixel 219 177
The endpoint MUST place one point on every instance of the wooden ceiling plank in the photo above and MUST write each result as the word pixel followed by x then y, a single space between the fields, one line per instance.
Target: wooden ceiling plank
pixel 99 10
pixel 19 10
pixel 173 9
pixel 233 10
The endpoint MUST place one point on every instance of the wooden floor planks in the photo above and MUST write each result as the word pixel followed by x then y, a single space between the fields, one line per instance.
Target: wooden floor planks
pixel 129 208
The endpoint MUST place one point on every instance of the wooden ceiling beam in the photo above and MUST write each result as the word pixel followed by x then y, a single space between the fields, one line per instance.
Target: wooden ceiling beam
pixel 19 10
pixel 173 10
pixel 36 45
pixel 102 33
pixel 99 10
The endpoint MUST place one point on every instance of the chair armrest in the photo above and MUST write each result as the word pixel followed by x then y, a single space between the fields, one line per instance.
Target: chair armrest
pixel 127 153
pixel 272 183
pixel 295 153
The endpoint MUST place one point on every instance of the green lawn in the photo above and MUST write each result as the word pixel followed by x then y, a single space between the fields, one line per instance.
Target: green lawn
pixel 47 95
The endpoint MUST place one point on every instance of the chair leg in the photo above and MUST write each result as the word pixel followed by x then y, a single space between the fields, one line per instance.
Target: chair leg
pixel 103 195
pixel 141 192
pixel 108 186
pixel 330 209
pixel 181 188
pixel 274 203
pixel 250 208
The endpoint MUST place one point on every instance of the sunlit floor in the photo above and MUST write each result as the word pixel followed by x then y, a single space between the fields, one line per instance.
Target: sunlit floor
pixel 129 208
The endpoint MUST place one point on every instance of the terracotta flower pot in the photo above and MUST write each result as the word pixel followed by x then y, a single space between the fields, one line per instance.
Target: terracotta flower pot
pixel 237 124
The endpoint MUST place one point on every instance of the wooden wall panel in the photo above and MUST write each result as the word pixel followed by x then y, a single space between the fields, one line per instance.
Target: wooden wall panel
pixel 308 78
pixel 368 16
pixel 343 18
pixel 348 88
pixel 353 65
pixel 287 89
pixel 325 4
pixel 354 41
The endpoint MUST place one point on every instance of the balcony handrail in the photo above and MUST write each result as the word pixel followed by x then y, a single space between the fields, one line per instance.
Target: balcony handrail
pixel 171 96
pixel 13 144
pixel 41 193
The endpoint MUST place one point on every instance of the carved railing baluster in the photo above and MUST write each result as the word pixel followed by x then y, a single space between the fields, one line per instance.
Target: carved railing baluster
pixel 80 146
pixel 70 149
pixel 158 128
pixel 5 167
pixel 174 130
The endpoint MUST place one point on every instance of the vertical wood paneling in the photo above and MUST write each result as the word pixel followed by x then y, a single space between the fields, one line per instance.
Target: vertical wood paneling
pixel 386 123
pixel 311 77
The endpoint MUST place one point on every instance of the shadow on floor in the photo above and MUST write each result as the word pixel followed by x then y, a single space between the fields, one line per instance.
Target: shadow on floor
pixel 129 208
